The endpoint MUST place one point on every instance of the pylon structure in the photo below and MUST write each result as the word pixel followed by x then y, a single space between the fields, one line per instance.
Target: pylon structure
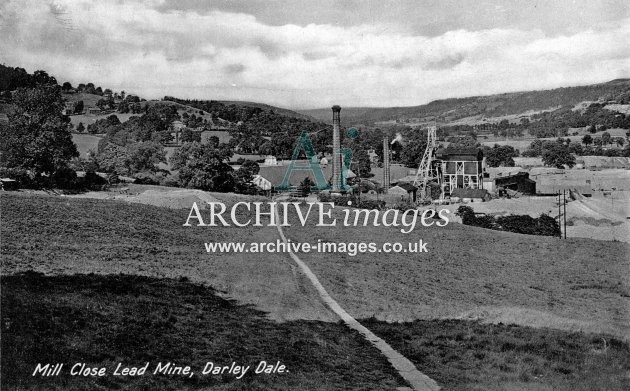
pixel 425 171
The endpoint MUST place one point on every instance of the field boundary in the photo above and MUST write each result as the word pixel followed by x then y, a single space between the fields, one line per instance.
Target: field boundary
pixel 418 380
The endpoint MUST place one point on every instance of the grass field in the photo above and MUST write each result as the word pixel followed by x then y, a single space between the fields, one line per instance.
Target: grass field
pixel 471 274
pixel 104 320
pixel 85 143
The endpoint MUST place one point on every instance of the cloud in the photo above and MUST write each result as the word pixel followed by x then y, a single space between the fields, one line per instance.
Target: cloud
pixel 140 47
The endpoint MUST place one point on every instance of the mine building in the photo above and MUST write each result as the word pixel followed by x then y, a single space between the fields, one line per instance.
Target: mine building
pixel 460 168
pixel 519 182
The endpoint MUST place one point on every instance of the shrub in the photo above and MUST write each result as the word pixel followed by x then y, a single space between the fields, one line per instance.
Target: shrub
pixel 93 181
pixel 146 178
pixel 65 178
pixel 522 224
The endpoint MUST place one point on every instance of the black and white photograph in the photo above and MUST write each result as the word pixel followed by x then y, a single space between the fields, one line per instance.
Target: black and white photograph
pixel 293 195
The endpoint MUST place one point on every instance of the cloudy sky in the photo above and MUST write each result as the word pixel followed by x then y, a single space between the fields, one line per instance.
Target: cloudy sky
pixel 310 54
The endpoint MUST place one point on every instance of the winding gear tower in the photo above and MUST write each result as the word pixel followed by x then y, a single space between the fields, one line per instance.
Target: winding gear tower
pixel 425 170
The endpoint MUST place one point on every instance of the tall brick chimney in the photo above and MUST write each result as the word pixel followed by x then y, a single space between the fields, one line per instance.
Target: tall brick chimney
pixel 336 168
pixel 386 165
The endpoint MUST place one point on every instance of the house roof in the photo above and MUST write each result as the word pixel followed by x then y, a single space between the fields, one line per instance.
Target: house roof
pixel 407 186
pixel 519 176
pixel 458 151
pixel 470 193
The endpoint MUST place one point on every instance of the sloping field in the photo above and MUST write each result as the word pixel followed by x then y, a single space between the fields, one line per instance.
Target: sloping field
pixel 85 143
pixel 475 273
pixel 574 284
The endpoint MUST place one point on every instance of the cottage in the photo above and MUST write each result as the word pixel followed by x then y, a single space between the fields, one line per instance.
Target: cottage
pixel 93 111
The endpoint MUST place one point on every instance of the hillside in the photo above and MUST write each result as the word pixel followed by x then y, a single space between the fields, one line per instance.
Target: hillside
pixel 468 272
pixel 279 110
pixel 446 110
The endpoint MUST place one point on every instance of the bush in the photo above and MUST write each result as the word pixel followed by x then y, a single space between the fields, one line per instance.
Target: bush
pixel 522 224
pixel 65 178
pixel 93 181
pixel 171 180
pixel 146 178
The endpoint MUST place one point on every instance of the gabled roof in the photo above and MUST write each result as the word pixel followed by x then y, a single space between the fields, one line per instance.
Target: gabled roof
pixel 519 176
pixel 407 186
pixel 458 151
pixel 275 174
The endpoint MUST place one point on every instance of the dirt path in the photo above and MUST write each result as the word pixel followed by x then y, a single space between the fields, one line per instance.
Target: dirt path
pixel 418 380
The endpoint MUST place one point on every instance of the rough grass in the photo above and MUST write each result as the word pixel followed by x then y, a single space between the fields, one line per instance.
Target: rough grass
pixel 465 355
pixel 126 318
pixel 104 320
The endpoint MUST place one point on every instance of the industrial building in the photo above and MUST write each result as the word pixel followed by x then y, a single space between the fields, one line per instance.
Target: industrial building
pixel 519 182
pixel 459 168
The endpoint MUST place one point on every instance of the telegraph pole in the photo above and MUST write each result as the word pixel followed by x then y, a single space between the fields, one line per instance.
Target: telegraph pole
pixel 564 195
pixel 559 215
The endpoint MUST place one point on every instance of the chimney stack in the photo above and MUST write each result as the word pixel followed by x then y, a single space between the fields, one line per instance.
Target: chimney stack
pixel 336 168
pixel 386 168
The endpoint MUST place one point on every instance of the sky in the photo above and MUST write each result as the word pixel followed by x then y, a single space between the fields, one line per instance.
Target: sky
pixel 313 54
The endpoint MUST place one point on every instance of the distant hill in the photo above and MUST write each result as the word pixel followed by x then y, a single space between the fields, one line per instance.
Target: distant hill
pixel 445 110
pixel 279 110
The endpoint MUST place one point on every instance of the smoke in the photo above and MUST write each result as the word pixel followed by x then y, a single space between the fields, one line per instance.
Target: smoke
pixel 398 139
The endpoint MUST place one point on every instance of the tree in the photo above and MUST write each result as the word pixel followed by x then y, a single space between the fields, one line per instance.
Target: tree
pixel 66 86
pixel 305 187
pixel 37 137
pixel 500 155
pixel 606 138
pixel 620 141
pixel 80 127
pixel 557 155
pixel 592 129
pixel 189 136
pixel 123 107
pixel 243 177
pixel 101 104
pixel 363 165
pixel 42 78
pixel 78 107
pixel 576 148
pixel 145 156
pixel 587 140
pixel 203 166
